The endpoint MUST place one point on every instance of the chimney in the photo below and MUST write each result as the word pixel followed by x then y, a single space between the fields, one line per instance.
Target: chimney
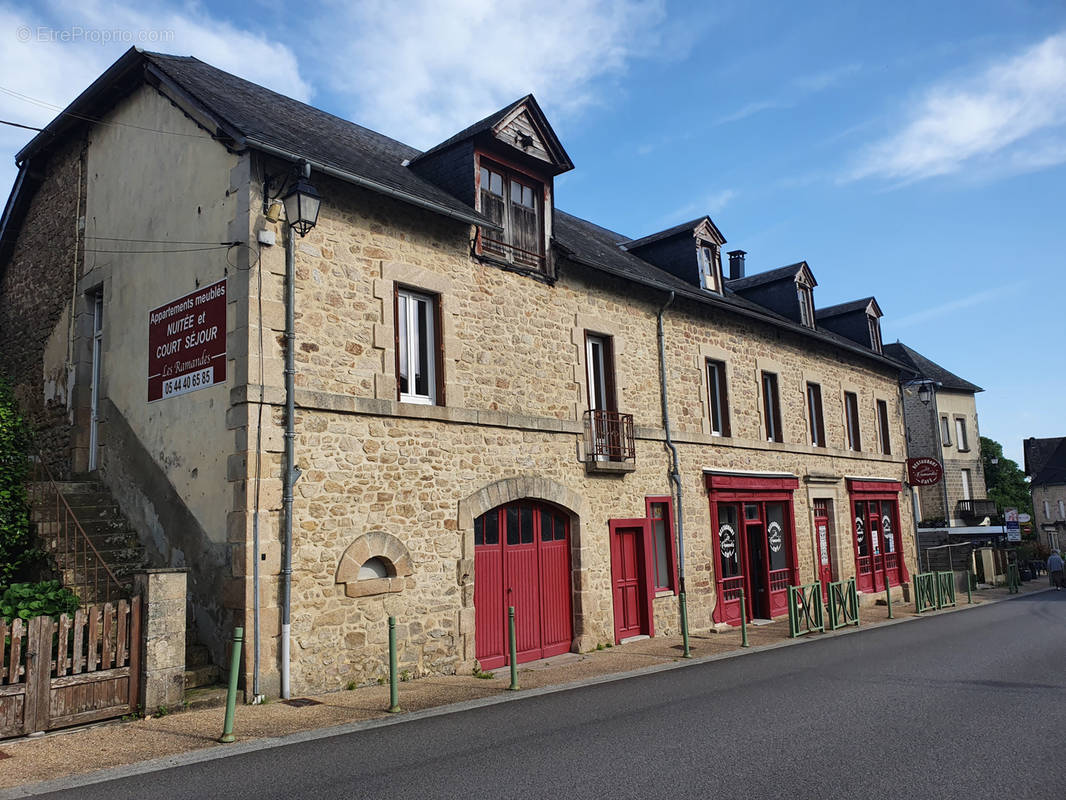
pixel 736 264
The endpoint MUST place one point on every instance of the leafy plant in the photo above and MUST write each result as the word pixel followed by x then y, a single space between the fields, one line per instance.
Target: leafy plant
pixel 405 675
pixel 26 600
pixel 17 552
pixel 478 673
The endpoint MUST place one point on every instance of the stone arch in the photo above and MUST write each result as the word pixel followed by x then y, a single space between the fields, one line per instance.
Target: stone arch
pixel 505 491
pixel 383 546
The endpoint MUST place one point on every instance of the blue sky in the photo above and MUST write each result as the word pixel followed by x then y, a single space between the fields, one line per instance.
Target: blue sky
pixel 913 151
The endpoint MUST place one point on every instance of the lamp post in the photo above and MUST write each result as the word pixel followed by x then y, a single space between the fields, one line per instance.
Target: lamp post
pixel 302 204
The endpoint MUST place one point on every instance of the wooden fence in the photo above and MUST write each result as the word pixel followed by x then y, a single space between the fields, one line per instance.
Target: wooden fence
pixel 78 669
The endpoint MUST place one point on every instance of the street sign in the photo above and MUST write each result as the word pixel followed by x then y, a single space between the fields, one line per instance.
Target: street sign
pixel 924 471
pixel 1010 519
pixel 187 343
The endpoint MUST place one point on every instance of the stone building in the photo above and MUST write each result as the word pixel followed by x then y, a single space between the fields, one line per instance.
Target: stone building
pixel 496 403
pixel 1045 465
pixel 943 425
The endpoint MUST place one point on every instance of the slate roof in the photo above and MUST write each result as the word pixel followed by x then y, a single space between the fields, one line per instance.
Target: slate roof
pixel 1045 460
pixel 770 276
pixel 684 227
pixel 844 308
pixel 922 366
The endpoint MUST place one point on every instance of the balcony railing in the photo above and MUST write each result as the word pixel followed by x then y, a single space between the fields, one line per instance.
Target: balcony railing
pixel 609 437
pixel 976 508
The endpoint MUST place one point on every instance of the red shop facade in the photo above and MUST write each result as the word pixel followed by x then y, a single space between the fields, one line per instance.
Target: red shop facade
pixel 754 539
pixel 876 534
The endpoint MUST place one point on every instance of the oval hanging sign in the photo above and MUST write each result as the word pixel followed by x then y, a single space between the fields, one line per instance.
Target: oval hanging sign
pixel 728 541
pixel 924 471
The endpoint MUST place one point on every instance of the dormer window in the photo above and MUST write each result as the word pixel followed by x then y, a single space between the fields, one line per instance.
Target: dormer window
pixel 875 332
pixel 514 201
pixel 710 267
pixel 806 303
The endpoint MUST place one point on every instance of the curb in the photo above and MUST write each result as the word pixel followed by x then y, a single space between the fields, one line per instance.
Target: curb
pixel 213 753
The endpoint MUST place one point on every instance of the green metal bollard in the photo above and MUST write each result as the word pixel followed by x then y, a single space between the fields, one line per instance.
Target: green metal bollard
pixel 969 590
pixel 514 649
pixel 743 622
pixel 394 678
pixel 684 625
pixel 231 695
pixel 888 599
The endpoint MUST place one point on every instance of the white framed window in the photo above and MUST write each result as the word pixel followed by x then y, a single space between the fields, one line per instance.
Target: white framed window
pixel 416 347
pixel 851 415
pixel 1047 510
pixel 961 442
pixel 710 267
pixel 1062 510
pixel 945 431
pixel 965 484
pixel 875 332
pixel 717 398
pixel 883 432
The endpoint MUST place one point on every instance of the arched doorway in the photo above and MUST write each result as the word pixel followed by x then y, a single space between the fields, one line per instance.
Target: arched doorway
pixel 522 559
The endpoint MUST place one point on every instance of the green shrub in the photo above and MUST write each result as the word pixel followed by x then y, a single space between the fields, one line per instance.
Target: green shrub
pixel 26 600
pixel 17 552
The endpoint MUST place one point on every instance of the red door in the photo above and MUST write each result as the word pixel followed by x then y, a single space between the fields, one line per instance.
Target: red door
pixel 631 578
pixel 521 559
pixel 821 537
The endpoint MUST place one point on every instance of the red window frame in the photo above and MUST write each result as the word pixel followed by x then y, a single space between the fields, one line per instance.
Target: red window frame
pixel 880 568
pixel 671 542
pixel 741 489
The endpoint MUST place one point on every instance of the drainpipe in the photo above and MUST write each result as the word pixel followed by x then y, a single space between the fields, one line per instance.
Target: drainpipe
pixel 675 479
pixel 290 473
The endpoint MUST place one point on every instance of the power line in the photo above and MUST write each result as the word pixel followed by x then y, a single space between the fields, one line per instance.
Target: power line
pixel 20 125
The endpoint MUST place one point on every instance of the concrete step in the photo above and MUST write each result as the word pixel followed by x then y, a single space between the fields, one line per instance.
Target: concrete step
pixel 202 676
pixel 206 697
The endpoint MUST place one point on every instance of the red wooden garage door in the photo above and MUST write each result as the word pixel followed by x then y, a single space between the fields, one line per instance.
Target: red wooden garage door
pixel 522 559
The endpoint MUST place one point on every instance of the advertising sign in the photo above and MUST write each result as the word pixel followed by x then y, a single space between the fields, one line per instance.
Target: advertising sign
pixel 924 471
pixel 187 343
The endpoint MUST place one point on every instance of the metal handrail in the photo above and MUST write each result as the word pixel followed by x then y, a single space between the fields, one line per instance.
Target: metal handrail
pixel 62 541
pixel 609 435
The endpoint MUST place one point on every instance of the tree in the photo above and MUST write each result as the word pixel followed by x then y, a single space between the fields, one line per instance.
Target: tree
pixel 1004 480
pixel 17 552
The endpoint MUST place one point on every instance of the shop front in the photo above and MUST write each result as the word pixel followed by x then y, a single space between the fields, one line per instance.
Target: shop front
pixel 876 534
pixel 754 539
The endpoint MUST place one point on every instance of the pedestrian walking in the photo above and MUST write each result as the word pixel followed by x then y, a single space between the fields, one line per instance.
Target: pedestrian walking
pixel 1054 567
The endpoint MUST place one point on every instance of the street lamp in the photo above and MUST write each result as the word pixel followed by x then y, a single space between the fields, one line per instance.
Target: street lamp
pixel 925 393
pixel 301 206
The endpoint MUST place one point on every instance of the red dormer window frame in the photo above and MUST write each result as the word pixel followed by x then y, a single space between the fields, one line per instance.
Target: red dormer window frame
pixel 500 247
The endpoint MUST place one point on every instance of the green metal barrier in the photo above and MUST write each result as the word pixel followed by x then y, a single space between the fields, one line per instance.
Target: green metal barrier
pixel 945 589
pixel 843 604
pixel 1014 579
pixel 805 609
pixel 925 592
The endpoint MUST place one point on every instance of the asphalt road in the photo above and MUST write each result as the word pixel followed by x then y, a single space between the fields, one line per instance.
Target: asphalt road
pixel 963 705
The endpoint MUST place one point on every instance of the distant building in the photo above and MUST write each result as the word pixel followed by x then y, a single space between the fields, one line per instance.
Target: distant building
pixel 944 427
pixel 1045 464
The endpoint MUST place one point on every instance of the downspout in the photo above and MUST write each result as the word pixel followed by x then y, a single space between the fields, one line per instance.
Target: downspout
pixel 675 479
pixel 289 471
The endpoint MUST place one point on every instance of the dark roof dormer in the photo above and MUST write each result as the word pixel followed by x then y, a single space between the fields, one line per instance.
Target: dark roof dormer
pixel 691 251
pixel 859 320
pixel 504 166
pixel 788 291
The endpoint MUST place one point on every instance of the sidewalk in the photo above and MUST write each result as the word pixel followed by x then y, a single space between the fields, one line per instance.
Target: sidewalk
pixel 118 743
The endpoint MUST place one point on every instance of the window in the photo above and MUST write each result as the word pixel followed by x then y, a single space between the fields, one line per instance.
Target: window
pixel 814 414
pixel 514 202
pixel 806 304
pixel 599 366
pixel 717 398
pixel 660 512
pixel 771 406
pixel 1047 510
pixel 945 431
pixel 875 333
pixel 961 441
pixel 882 427
pixel 418 367
pixel 1062 510
pixel 851 412
pixel 710 267
pixel 966 495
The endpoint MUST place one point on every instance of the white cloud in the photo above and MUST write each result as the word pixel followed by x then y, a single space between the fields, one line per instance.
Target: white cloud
pixel 53 51
pixel 430 71
pixel 969 301
pixel 796 90
pixel 1011 115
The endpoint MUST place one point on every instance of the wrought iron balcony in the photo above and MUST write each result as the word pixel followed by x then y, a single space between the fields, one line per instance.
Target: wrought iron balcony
pixel 974 511
pixel 609 441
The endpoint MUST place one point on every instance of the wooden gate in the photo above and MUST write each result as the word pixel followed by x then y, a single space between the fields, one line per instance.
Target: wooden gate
pixel 77 670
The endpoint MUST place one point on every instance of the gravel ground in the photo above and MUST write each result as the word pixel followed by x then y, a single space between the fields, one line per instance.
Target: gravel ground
pixel 86 749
